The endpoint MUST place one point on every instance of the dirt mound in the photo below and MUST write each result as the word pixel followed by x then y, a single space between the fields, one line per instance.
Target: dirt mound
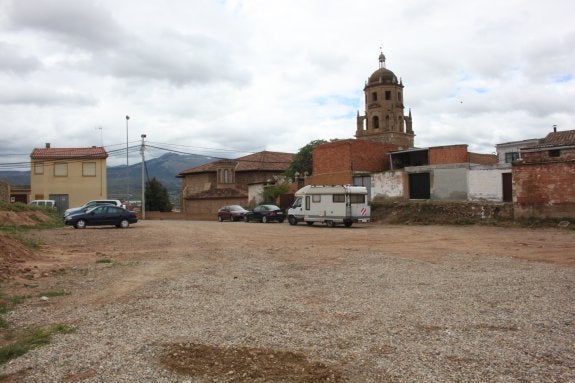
pixel 246 364
pixel 14 256
pixel 23 218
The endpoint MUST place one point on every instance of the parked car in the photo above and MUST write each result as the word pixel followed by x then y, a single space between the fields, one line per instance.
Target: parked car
pixel 265 213
pixel 90 204
pixel 44 202
pixel 102 215
pixel 231 213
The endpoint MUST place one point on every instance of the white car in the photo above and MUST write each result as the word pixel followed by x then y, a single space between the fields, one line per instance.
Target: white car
pixel 91 204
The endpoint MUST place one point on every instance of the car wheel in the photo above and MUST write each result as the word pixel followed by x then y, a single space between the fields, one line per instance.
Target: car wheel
pixel 124 223
pixel 246 219
pixel 220 219
pixel 292 220
pixel 81 224
pixel 281 220
pixel 264 219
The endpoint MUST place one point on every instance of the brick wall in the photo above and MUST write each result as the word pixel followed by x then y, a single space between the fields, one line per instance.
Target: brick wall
pixel 482 159
pixel 4 191
pixel 452 154
pixel 544 189
pixel 339 160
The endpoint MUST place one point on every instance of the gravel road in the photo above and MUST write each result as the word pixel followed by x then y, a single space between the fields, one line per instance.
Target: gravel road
pixel 190 301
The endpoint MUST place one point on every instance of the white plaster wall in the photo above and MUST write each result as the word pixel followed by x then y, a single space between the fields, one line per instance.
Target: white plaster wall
pixel 387 184
pixel 486 184
pixel 449 183
pixel 255 194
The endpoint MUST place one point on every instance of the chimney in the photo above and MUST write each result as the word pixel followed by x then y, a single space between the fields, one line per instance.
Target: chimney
pixel 555 128
pixel 47 145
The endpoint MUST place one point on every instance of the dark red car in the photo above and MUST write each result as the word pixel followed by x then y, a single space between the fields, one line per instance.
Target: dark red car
pixel 231 213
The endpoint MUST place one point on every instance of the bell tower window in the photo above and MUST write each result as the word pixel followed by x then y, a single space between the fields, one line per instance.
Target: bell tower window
pixel 374 96
pixel 388 94
pixel 375 122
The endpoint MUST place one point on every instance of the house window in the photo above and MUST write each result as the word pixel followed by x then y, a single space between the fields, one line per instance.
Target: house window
pixel 339 198
pixel 225 176
pixel 388 94
pixel 39 168
pixel 61 170
pixel 374 96
pixel 554 153
pixel 511 156
pixel 89 169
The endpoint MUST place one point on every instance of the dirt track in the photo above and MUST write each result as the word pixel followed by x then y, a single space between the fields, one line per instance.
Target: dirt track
pixel 105 267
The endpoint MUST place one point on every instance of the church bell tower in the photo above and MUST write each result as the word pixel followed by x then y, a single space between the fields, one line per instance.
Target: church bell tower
pixel 384 120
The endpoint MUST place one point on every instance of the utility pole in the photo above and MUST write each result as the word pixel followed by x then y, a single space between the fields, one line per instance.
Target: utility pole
pixel 127 168
pixel 143 199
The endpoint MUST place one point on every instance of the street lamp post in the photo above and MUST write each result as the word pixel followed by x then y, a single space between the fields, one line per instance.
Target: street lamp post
pixel 143 208
pixel 127 168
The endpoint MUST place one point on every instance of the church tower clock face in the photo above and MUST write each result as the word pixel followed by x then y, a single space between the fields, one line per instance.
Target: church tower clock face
pixel 384 120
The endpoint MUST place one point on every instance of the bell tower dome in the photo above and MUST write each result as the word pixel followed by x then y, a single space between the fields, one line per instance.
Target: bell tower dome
pixel 384 120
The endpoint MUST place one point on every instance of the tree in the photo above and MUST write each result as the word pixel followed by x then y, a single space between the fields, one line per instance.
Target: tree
pixel 157 198
pixel 303 160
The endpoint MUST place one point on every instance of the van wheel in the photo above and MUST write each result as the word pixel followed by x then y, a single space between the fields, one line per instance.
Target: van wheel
pixel 292 220
pixel 348 223
pixel 81 224
pixel 330 223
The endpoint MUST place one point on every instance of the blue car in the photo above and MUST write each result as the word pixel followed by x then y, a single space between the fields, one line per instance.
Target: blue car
pixel 102 215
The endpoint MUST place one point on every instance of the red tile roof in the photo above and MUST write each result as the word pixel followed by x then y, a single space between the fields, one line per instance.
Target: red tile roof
pixel 68 153
pixel 262 161
pixel 566 137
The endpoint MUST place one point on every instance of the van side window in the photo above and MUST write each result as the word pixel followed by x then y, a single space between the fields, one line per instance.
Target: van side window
pixel 316 198
pixel 339 198
pixel 358 198
pixel 307 202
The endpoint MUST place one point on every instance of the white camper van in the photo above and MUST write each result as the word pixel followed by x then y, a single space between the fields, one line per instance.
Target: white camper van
pixel 335 204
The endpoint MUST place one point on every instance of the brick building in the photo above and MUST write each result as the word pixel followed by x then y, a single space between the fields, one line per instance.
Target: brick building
pixel 208 187
pixel 348 161
pixel 544 177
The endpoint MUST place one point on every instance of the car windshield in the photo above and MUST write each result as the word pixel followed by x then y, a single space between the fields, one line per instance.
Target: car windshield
pixel 236 208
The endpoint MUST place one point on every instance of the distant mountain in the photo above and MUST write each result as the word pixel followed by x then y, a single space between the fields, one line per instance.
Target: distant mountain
pixel 164 168
pixel 15 178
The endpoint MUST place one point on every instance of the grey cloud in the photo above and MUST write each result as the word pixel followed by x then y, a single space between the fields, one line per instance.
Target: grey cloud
pixel 14 61
pixel 177 59
pixel 41 96
pixel 80 23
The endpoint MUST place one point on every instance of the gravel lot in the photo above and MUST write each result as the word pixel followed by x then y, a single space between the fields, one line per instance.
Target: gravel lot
pixel 190 301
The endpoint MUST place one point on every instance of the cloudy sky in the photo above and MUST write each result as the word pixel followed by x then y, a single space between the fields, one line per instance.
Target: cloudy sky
pixel 230 77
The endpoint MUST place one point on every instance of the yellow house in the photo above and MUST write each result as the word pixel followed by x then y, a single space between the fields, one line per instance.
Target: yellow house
pixel 70 176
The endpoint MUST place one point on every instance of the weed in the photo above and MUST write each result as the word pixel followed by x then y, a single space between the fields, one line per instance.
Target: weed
pixel 104 260
pixel 33 339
